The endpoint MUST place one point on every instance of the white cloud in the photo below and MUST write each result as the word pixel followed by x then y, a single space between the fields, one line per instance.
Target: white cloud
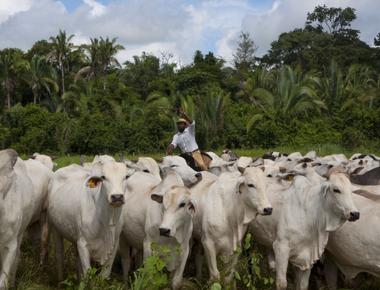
pixel 286 15
pixel 97 8
pixel 176 26
pixel 11 7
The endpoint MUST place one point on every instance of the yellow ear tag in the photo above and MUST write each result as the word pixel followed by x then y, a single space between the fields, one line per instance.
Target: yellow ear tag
pixel 290 177
pixel 91 183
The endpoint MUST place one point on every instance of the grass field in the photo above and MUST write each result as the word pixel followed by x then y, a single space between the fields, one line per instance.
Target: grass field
pixel 31 276
pixel 321 150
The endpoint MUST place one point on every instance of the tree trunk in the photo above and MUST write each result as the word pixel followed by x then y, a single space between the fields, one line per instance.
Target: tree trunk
pixel 34 96
pixel 9 99
pixel 62 78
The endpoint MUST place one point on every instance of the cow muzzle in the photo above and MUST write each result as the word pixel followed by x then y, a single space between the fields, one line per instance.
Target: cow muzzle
pixel 117 200
pixel 164 232
pixel 267 211
pixel 354 216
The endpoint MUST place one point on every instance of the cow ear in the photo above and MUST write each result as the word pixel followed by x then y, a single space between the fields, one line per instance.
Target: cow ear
pixel 164 171
pixel 191 208
pixel 325 188
pixel 8 159
pixel 157 197
pixel 94 181
pixel 262 168
pixel 357 170
pixel 240 185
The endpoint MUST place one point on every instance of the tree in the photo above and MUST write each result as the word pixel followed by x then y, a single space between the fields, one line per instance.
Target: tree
pixel 40 48
pixel 141 74
pixel 341 89
pixel 61 48
pixel 327 35
pixel 244 58
pixel 333 20
pixel 10 65
pixel 376 40
pixel 204 71
pixel 40 77
pixel 291 96
pixel 100 56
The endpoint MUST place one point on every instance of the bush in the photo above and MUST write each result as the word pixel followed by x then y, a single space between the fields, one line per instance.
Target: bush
pixel 32 128
pixel 97 133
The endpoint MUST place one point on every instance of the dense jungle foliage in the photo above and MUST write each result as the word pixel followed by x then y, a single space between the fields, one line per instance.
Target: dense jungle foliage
pixel 318 84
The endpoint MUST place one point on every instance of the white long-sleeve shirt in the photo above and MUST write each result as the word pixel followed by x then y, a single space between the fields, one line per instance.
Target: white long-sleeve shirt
pixel 186 140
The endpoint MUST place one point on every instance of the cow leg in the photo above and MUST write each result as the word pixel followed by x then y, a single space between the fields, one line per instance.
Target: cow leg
pixel 232 262
pixel 84 255
pixel 59 251
pixel 106 271
pixel 198 254
pixel 125 253
pixel 147 248
pixel 281 252
pixel 45 238
pixel 302 277
pixel 78 266
pixel 271 260
pixel 210 252
pixel 178 274
pixel 331 274
pixel 138 258
pixel 8 258
pixel 12 274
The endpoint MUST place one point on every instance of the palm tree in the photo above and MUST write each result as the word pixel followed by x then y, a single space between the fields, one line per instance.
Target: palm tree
pixel 209 112
pixel 341 90
pixel 77 101
pixel 292 95
pixel 40 77
pixel 101 57
pixel 61 48
pixel 10 63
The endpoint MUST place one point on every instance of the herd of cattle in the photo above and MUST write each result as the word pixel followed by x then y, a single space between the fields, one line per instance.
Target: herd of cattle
pixel 301 208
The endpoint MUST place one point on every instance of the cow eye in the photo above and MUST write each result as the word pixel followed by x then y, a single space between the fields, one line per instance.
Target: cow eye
pixel 127 176
pixel 103 177
pixel 269 175
pixel 182 204
pixel 173 166
pixel 146 170
pixel 336 190
pixel 251 185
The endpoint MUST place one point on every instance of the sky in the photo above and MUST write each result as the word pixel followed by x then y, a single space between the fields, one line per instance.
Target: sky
pixel 177 27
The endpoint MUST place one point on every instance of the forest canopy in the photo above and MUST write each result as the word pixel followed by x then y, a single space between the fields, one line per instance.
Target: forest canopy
pixel 317 84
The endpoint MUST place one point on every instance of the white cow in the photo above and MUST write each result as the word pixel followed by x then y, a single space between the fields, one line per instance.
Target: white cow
pixel 217 165
pixel 142 216
pixel 86 209
pixel 147 165
pixel 44 159
pixel 355 247
pixel 177 227
pixel 40 175
pixel 17 208
pixel 225 205
pixel 304 216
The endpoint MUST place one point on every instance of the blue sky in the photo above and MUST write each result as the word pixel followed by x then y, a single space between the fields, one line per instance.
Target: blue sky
pixel 178 27
pixel 71 5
